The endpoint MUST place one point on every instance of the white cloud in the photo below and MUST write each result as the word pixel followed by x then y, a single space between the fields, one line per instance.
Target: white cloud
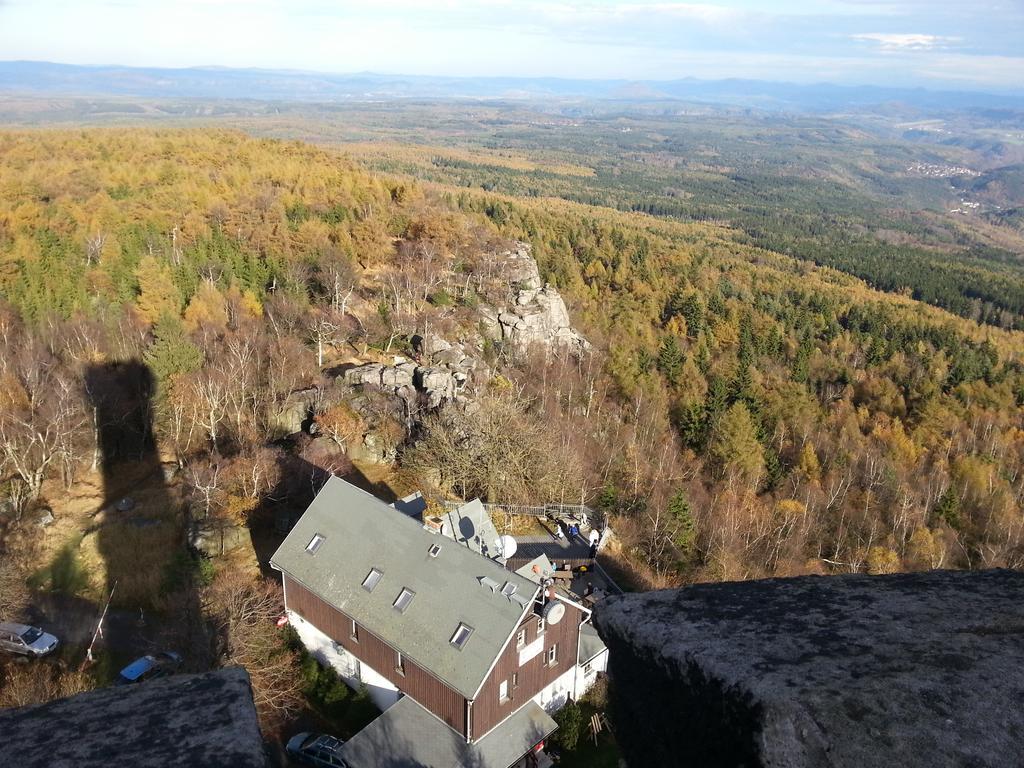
pixel 911 42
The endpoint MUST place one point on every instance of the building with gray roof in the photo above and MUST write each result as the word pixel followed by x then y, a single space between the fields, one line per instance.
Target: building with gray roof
pixel 451 585
pixel 466 656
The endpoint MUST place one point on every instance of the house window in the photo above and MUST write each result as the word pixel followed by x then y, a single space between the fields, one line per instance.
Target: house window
pixel 515 680
pixel 399 663
pixel 588 668
pixel 553 655
pixel 372 579
pixel 461 636
pixel 503 691
pixel 355 631
pixel 404 599
pixel 521 639
pixel 540 627
pixel 314 543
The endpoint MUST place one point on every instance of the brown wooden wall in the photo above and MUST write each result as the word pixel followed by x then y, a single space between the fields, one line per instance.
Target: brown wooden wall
pixel 533 676
pixel 426 689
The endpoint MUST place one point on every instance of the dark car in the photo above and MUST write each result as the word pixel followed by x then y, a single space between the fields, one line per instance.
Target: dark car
pixel 316 749
pixel 149 668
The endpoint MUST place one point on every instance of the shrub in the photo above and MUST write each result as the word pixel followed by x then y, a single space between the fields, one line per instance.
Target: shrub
pixel 570 725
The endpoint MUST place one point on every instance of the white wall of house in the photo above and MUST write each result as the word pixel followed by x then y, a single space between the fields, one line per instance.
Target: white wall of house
pixel 555 695
pixel 571 684
pixel 353 671
pixel 587 673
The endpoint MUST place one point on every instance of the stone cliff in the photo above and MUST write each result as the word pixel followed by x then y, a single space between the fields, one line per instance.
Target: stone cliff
pixel 848 671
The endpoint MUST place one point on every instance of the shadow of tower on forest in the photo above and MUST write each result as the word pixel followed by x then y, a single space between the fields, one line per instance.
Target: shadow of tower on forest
pixel 141 532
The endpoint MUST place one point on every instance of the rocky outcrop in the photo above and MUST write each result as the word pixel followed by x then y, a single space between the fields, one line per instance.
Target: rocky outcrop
pixel 446 370
pixel 844 671
pixel 538 315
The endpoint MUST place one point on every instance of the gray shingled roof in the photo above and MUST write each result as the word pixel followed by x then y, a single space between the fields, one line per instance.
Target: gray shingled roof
pixel 408 736
pixel 471 526
pixel 591 644
pixel 199 721
pixel 361 532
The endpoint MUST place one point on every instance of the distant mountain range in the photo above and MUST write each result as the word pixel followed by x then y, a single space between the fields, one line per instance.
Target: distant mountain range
pixel 289 85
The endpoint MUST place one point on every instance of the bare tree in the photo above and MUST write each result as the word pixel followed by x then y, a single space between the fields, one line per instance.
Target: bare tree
pixel 245 614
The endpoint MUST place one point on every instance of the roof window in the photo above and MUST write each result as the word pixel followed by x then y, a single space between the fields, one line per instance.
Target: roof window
pixel 314 543
pixel 372 579
pixel 435 550
pixel 509 589
pixel 461 635
pixel 404 599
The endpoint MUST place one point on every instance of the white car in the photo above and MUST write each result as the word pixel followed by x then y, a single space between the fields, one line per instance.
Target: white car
pixel 26 640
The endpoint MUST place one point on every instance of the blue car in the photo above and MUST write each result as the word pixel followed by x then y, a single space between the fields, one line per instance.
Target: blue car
pixel 149 668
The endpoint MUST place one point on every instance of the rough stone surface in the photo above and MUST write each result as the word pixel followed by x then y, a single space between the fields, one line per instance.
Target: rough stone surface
pixel 364 375
pixel 215 538
pixel 907 670
pixel 521 268
pixel 537 315
pixel 201 721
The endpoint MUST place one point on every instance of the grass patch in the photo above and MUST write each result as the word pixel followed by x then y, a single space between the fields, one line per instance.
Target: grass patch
pixel 65 574
pixel 136 556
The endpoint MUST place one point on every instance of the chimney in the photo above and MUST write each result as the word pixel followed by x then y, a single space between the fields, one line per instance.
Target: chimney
pixel 434 524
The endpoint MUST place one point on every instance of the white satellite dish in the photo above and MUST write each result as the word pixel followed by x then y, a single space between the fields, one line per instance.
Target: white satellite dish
pixel 506 546
pixel 554 612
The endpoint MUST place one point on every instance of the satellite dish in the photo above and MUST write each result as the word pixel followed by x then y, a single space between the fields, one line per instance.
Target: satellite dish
pixel 553 612
pixel 506 546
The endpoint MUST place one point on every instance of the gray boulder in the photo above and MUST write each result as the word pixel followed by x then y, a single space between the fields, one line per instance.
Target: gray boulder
pixel 540 318
pixel 521 268
pixel 215 538
pixel 364 375
pixel 398 376
pixel 437 383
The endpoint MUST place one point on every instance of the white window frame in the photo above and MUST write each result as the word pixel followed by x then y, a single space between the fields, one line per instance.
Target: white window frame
pixel 540 626
pixel 552 655
pixel 404 600
pixel 354 635
pixel 503 692
pixel 521 639
pixel 465 632
pixel 373 578
pixel 315 543
pixel 399 663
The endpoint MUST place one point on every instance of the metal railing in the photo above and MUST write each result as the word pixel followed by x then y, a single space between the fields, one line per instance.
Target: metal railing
pixel 547 510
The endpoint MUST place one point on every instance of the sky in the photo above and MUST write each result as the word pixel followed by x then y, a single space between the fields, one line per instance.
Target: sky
pixel 968 44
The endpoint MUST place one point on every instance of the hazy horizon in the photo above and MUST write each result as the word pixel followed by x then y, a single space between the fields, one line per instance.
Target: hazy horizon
pixel 938 45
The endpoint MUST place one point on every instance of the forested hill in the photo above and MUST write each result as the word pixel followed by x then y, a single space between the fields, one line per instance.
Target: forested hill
pixel 742 413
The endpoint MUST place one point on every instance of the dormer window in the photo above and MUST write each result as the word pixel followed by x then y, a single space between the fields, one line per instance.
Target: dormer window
pixel 509 589
pixel 314 543
pixel 461 636
pixel 372 579
pixel 404 599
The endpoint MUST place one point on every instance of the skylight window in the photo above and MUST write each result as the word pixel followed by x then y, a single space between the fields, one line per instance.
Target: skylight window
pixel 461 636
pixel 314 543
pixel 509 589
pixel 404 599
pixel 372 579
pixel 434 550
